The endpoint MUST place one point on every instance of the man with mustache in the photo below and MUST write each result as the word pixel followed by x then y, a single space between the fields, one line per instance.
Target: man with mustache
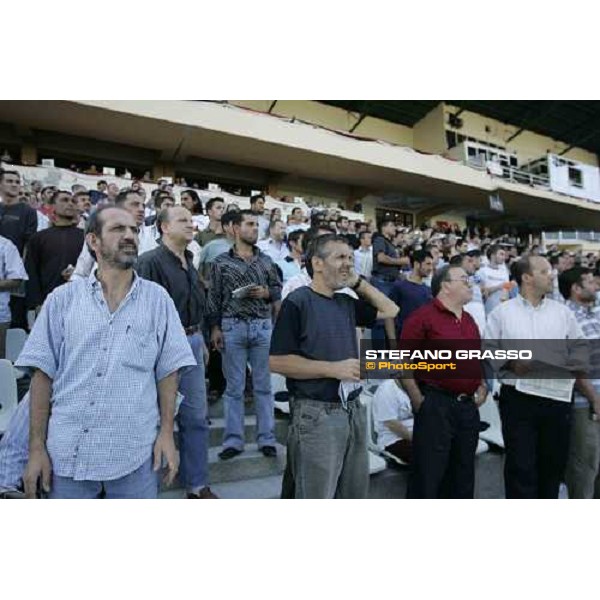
pixel 105 353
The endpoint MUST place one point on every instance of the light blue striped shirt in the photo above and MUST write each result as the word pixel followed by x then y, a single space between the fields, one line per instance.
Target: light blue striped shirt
pixel 105 368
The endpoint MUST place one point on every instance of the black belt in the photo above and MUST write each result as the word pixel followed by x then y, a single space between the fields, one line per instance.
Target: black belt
pixel 192 329
pixel 458 397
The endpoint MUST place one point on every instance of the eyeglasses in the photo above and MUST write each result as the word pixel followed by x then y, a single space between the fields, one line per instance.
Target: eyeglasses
pixel 464 279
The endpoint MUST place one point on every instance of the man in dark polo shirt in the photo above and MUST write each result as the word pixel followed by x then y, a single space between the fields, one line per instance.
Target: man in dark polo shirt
pixel 315 347
pixel 386 267
pixel 446 429
pixel 412 292
pixel 171 266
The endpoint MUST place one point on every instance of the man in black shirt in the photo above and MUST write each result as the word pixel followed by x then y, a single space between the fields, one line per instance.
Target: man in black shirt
pixel 315 346
pixel 386 267
pixel 18 222
pixel 171 266
pixel 53 252
pixel 244 290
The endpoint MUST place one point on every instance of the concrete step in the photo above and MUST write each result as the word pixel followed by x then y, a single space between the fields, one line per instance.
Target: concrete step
pixel 262 488
pixel 251 464
pixel 218 425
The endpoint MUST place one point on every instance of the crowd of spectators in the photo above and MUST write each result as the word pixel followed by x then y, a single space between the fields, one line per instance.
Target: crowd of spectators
pixel 223 273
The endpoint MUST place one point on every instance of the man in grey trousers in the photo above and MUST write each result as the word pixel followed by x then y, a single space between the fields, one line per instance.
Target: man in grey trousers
pixel 314 346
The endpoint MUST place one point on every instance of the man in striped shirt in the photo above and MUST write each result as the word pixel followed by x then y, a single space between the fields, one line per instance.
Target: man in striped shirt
pixel 244 292
pixel 106 352
pixel 578 288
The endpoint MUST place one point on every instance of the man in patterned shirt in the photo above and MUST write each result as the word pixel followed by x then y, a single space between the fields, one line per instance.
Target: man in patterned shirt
pixel 241 330
pixel 578 288
pixel 106 352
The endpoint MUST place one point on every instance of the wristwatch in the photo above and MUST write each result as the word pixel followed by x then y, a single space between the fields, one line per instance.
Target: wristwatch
pixel 360 279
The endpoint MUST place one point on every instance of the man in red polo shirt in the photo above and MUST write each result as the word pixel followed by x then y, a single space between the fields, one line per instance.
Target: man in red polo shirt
pixel 446 428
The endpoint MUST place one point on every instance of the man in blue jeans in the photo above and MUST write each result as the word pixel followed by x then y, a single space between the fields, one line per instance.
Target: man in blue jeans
pixel 386 267
pixel 244 290
pixel 171 266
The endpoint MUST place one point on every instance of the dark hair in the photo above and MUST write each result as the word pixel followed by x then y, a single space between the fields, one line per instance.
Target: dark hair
pixel 229 217
pixel 239 215
pixel 160 198
pixel 494 249
pixel 213 201
pixel 385 222
pixel 456 260
pixel 122 196
pixel 294 237
pixel 295 209
pixel 342 218
pixel 419 256
pixel 81 193
pixel 254 199
pixel 100 182
pixel 95 223
pixel 3 173
pixel 362 234
pixel 439 277
pixel 56 194
pixel 197 209
pixel 567 279
pixel 521 267
pixel 317 248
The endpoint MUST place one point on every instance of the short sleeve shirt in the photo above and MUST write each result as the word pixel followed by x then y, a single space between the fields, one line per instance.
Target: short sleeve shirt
pixel 319 328
pixel 381 244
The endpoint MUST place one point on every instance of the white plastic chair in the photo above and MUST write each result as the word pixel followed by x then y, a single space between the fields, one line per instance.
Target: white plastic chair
pixel 377 461
pixel 489 413
pixel 8 393
pixel 278 385
pixel 15 340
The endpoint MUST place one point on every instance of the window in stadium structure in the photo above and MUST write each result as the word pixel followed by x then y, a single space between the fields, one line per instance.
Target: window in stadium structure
pixel 575 177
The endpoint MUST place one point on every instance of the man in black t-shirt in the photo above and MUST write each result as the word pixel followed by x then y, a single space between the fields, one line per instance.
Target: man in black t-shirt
pixel 18 222
pixel 314 345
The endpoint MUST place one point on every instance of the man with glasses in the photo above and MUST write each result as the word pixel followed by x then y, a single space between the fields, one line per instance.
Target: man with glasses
pixel 446 429
pixel 51 253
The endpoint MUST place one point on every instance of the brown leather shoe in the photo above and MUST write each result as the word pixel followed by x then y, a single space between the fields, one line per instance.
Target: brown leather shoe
pixel 204 494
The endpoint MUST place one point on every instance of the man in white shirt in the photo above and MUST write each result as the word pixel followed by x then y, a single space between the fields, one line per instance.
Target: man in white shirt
pixel 12 274
pixel 535 427
pixel 393 419
pixel 494 277
pixel 475 308
pixel 257 206
pixel 363 255
pixel 296 221
pixel 291 265
pixel 274 246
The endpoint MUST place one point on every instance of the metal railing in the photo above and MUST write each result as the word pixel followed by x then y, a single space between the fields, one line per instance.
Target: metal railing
pixel 513 174
pixel 571 236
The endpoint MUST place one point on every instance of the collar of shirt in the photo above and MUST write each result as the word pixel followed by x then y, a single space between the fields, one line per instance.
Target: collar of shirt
pixel 189 257
pixel 526 304
pixel 233 253
pixel 94 285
